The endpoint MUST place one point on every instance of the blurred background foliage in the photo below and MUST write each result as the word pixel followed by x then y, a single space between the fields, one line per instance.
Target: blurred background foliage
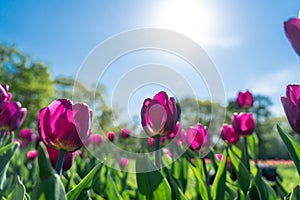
pixel 31 84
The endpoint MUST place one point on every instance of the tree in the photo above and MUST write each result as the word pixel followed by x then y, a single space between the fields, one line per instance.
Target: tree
pixel 29 81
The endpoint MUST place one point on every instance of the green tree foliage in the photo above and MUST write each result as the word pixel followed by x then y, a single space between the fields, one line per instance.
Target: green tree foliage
pixel 29 81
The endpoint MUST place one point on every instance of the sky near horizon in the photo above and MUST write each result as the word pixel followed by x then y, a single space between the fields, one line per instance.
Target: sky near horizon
pixel 244 39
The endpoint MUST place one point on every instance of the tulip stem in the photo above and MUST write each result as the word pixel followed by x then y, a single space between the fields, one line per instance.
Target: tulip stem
pixel 246 153
pixel 157 151
pixel 60 161
pixel 205 169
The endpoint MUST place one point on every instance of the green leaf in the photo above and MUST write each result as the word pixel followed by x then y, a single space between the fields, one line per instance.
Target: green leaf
pixel 151 183
pixel 295 194
pixel 6 153
pixel 203 187
pixel 49 185
pixel 176 191
pixel 241 172
pixel 111 189
pixel 85 183
pixel 19 191
pixel 292 145
pixel 253 146
pixel 218 187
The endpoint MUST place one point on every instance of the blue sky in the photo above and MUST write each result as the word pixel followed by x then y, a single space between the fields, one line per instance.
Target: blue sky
pixel 244 39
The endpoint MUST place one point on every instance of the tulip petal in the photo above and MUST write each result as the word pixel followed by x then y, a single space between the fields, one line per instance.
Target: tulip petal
pixel 292 31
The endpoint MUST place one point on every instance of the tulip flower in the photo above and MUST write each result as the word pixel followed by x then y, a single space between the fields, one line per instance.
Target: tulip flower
pixel 159 115
pixel 123 162
pixel 175 132
pixel 291 105
pixel 243 123
pixel 97 139
pixel 151 142
pixel 125 132
pixel 220 157
pixel 111 136
pixel 27 135
pixel 12 116
pixel 64 125
pixel 292 31
pixel 3 97
pixel 229 135
pixel 54 156
pixel 197 136
pixel 245 100
pixel 31 155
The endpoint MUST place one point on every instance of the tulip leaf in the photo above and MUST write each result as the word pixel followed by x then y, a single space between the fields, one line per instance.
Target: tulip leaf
pixel 49 185
pixel 292 145
pixel 6 153
pixel 241 172
pixel 85 183
pixel 19 191
pixel 203 187
pixel 218 187
pixel 111 189
pixel 151 183
pixel 253 146
pixel 295 194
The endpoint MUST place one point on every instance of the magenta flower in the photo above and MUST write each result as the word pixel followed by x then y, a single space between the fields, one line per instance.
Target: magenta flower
pixel 31 155
pixel 291 105
pixel 220 157
pixel 125 132
pixel 182 138
pixel 27 135
pixel 4 96
pixel 292 31
pixel 111 136
pixel 175 132
pixel 229 135
pixel 151 142
pixel 63 125
pixel 159 115
pixel 245 99
pixel 123 162
pixel 197 136
pixel 97 139
pixel 68 159
pixel 12 116
pixel 243 123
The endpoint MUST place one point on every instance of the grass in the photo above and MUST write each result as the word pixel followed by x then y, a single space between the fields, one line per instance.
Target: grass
pixel 289 175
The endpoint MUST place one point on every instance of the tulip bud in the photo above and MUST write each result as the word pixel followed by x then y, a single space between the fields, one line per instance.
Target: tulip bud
pixel 292 31
pixel 220 157
pixel 123 162
pixel 197 136
pixel 27 135
pixel 291 105
pixel 31 155
pixel 111 136
pixel 243 123
pixel 12 116
pixel 64 125
pixel 245 99
pixel 151 142
pixel 159 115
pixel 68 159
pixel 125 132
pixel 229 135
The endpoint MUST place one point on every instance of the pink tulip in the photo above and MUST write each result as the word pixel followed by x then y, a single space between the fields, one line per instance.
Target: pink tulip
pixel 243 123
pixel 197 136
pixel 220 157
pixel 182 138
pixel 27 135
pixel 291 105
pixel 4 97
pixel 97 139
pixel 31 155
pixel 159 115
pixel 245 99
pixel 64 125
pixel 123 162
pixel 229 135
pixel 175 132
pixel 125 132
pixel 68 159
pixel 111 136
pixel 12 116
pixel 292 31
pixel 151 142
